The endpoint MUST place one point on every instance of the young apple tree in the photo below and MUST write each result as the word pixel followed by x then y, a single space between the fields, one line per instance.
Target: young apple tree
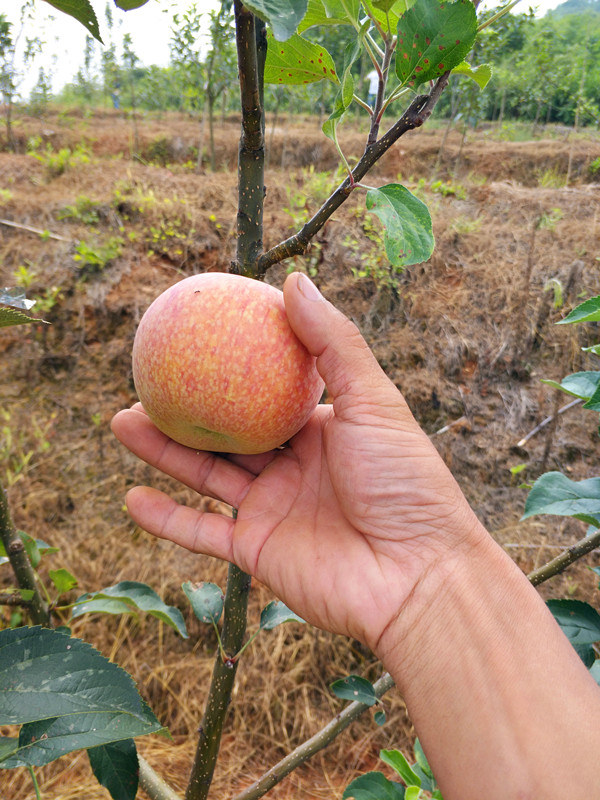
pixel 415 48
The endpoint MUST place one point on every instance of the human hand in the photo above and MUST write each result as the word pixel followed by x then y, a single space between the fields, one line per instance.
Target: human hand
pixel 344 522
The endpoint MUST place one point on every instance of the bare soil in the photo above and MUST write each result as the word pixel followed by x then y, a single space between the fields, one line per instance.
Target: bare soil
pixel 467 337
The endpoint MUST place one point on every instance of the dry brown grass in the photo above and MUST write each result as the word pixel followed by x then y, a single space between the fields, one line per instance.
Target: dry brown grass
pixel 445 335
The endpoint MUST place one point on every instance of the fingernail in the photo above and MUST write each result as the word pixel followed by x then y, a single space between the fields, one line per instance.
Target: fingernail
pixel 308 289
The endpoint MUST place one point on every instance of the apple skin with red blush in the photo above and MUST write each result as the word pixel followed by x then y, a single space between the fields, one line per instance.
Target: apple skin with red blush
pixel 217 366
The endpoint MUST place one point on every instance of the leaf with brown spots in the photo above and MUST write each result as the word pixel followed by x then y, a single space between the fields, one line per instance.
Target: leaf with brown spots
pixel 297 61
pixel 433 37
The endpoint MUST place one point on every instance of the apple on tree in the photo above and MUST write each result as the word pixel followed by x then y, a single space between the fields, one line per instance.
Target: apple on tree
pixel 217 366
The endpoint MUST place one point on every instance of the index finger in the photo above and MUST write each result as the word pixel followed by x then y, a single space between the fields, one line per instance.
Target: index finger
pixel 204 472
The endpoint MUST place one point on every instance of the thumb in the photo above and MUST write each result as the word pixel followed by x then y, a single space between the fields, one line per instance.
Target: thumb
pixel 344 359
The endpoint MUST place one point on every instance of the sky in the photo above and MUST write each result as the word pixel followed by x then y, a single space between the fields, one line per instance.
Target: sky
pixel 149 27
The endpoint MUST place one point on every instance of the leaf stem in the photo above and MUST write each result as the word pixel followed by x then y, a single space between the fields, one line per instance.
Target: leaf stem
pixel 390 46
pixel 497 16
pixel 35 784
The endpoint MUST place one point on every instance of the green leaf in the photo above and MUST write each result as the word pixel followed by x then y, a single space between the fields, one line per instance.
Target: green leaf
pixel 128 5
pixel 412 793
pixel 581 625
pixel 433 38
pixel 594 402
pixel 593 348
pixel 275 613
pixel 297 61
pixel 316 14
pixel 383 5
pixel 34 548
pixel 11 316
pixel 421 759
pixel 595 671
pixel 116 767
pixel 579 384
pixel 126 597
pixel 102 605
pixel 82 11
pixel 283 16
pixel 66 695
pixel 589 311
pixel 206 600
pixel 423 770
pixel 344 9
pixel 63 580
pixel 346 93
pixel 396 760
pixel 379 718
pixel 388 21
pixel 481 74
pixel 373 786
pixel 353 687
pixel 408 235
pixel 8 746
pixel 554 493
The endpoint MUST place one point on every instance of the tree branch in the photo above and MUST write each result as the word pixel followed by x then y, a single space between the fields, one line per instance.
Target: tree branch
pixel 154 786
pixel 311 746
pixel 548 420
pixel 565 559
pixel 19 561
pixel 14 600
pixel 415 116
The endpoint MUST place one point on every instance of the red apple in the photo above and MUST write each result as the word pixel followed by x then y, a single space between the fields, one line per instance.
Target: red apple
pixel 217 367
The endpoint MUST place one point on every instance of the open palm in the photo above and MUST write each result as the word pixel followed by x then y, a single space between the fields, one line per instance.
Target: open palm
pixel 340 524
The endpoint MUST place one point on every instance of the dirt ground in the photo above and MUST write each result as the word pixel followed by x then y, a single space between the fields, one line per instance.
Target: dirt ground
pixel 467 337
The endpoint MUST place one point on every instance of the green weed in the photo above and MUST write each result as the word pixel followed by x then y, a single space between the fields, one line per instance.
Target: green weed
pixel 464 225
pixel 24 275
pixel 84 210
pixel 18 449
pixel 551 179
pixel 94 257
pixel 449 189
pixel 57 162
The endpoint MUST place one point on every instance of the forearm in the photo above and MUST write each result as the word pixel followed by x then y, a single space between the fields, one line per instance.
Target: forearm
pixel 502 704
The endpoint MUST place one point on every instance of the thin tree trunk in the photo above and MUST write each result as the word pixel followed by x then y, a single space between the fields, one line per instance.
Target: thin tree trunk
pixel 576 123
pixel 20 563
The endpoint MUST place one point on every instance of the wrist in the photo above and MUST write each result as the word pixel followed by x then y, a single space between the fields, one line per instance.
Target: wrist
pixel 501 702
pixel 466 556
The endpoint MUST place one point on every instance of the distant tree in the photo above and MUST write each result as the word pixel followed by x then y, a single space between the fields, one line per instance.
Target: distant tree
pixel 42 92
pixel 6 50
pixel 220 65
pixel 576 7
pixel 10 76
pixel 130 61
pixel 201 81
pixel 186 60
